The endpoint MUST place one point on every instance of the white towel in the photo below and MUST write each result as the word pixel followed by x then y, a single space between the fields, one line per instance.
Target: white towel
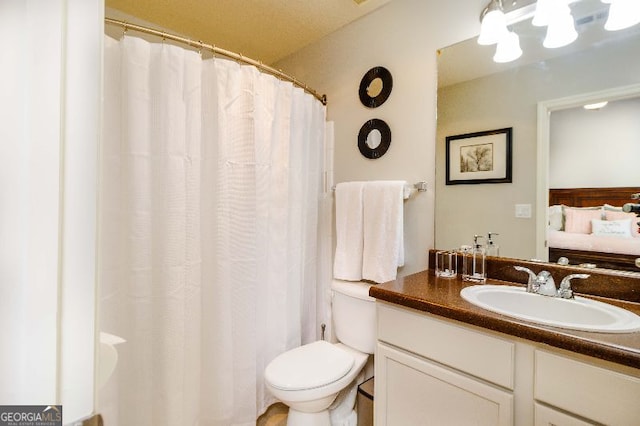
pixel 347 263
pixel 383 230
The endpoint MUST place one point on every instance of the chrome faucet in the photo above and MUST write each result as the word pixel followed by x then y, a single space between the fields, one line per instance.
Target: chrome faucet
pixel 544 284
pixel 565 290
pixel 533 284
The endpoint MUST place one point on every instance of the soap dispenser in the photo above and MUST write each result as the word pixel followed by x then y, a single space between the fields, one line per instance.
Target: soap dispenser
pixel 474 264
pixel 465 256
pixel 492 247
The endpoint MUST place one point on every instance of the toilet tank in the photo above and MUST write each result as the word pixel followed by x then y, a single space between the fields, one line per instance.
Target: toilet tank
pixel 354 315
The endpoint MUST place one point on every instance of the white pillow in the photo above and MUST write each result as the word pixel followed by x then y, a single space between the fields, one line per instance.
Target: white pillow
pixel 612 208
pixel 556 218
pixel 611 228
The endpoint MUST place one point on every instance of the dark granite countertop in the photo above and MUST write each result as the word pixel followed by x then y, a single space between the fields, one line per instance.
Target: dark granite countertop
pixel 425 292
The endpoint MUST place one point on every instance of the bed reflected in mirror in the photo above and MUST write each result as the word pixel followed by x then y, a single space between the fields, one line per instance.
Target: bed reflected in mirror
pixel 592 173
pixel 588 227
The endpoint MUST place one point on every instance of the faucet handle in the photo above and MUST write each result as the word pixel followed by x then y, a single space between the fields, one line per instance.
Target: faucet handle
pixel 565 290
pixel 531 283
pixel 524 269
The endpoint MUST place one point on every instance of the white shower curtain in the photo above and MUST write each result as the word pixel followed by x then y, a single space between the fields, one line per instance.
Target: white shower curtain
pixel 210 192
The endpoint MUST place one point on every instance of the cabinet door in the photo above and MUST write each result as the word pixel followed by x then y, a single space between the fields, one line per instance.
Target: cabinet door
pixel 410 390
pixel 590 391
pixel 477 353
pixel 546 416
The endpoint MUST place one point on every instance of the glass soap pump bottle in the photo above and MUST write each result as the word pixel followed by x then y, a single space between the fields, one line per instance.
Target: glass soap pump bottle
pixel 492 247
pixel 474 263
pixel 465 258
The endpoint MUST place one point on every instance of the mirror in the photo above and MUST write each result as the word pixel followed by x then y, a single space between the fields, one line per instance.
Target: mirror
pixel 375 87
pixel 374 138
pixel 475 94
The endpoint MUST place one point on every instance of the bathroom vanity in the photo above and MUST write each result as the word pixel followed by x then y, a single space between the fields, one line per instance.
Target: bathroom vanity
pixel 443 361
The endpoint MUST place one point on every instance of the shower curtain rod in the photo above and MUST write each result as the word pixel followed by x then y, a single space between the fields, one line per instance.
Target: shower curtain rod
pixel 218 51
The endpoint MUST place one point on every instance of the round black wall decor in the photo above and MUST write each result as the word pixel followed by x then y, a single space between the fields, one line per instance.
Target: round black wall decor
pixel 375 87
pixel 374 138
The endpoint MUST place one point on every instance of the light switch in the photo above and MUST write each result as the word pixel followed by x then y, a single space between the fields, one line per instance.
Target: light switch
pixel 523 210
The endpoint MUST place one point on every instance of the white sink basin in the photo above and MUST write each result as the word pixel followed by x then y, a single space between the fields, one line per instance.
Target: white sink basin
pixel 578 314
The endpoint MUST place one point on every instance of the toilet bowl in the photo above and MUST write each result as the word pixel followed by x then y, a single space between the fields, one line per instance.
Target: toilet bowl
pixel 317 381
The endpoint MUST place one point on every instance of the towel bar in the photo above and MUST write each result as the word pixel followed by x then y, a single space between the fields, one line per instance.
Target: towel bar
pixel 420 186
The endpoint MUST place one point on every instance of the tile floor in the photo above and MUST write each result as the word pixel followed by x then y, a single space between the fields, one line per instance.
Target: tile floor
pixel 276 415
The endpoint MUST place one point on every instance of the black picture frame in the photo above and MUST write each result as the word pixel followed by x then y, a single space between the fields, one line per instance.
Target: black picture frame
pixel 480 157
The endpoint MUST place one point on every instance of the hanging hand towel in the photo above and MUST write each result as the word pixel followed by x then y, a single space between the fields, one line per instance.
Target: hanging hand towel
pixel 347 264
pixel 383 230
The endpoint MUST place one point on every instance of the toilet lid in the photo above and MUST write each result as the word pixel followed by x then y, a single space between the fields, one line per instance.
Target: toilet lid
pixel 309 366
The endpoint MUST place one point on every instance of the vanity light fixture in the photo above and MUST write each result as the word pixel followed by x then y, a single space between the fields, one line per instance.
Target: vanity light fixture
pixel 493 25
pixel 622 14
pixel 493 30
pixel 542 13
pixel 508 48
pixel 553 14
pixel 561 29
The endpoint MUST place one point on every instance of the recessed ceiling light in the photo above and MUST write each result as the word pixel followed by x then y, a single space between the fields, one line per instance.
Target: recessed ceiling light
pixel 597 105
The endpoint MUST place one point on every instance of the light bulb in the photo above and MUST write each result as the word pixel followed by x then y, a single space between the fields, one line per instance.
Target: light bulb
pixel 493 27
pixel 597 105
pixel 622 14
pixel 508 48
pixel 543 11
pixel 561 30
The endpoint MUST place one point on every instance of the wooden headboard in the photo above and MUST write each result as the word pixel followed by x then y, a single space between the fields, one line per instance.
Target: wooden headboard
pixel 592 197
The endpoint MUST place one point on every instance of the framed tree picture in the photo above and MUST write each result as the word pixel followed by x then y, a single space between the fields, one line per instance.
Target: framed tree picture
pixel 480 157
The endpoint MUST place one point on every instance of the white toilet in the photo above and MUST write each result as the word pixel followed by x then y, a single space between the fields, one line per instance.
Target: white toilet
pixel 309 378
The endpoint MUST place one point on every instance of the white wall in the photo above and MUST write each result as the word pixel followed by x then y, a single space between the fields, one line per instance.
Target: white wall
pixel 595 148
pixel 29 187
pixel 50 104
pixel 402 36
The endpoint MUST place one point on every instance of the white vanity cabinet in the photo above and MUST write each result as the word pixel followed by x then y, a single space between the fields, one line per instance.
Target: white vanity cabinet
pixel 547 416
pixel 420 392
pixel 599 394
pixel 434 371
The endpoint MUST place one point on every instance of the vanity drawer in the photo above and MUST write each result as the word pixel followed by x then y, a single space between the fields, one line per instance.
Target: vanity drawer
pixel 547 416
pixel 590 391
pixel 474 352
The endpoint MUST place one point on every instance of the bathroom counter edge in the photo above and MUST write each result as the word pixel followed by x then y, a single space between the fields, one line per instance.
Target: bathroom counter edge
pixel 425 292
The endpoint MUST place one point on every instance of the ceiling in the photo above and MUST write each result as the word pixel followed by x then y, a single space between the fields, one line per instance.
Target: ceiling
pixel 265 30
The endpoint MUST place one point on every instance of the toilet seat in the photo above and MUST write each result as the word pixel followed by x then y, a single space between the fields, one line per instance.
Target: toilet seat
pixel 310 366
